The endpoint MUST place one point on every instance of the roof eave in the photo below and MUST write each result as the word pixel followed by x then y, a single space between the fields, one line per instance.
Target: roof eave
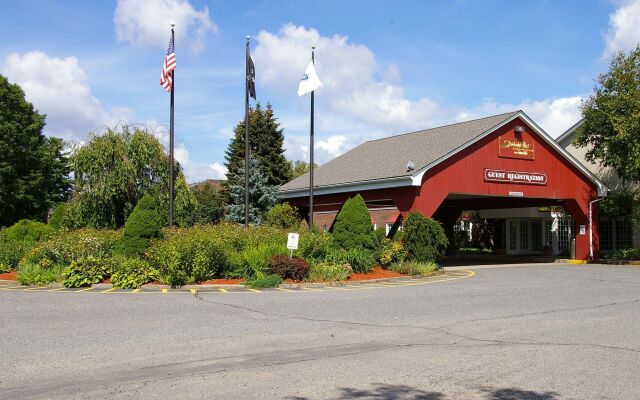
pixel 385 183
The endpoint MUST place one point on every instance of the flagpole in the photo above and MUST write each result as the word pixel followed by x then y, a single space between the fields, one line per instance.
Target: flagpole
pixel 311 145
pixel 171 177
pixel 246 137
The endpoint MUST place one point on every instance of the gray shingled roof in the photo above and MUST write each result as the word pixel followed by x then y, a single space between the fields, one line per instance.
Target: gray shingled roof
pixel 388 157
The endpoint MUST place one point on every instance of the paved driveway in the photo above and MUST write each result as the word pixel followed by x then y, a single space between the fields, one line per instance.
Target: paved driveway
pixel 525 332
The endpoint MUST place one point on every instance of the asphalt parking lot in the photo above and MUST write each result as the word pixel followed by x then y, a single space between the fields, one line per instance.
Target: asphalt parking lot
pixel 520 332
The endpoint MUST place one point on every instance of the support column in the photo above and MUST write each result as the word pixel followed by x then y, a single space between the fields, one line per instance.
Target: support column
pixel 580 213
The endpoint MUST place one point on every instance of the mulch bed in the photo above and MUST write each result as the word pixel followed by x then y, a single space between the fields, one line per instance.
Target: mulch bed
pixel 377 273
pixel 9 276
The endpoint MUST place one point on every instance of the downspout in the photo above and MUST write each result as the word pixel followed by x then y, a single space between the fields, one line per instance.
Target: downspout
pixel 591 226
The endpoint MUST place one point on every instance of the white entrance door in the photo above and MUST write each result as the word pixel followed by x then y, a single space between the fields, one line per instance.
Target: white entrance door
pixel 524 236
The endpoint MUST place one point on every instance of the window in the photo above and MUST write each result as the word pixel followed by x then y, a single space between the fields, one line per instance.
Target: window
pixel 513 228
pixel 536 235
pixel 547 232
pixel 524 235
pixel 606 235
pixel 624 234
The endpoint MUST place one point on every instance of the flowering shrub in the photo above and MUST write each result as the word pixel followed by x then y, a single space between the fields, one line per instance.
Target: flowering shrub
pixel 314 247
pixel 187 255
pixel 295 268
pixel 390 252
pixel 85 272
pixel 65 247
pixel 132 274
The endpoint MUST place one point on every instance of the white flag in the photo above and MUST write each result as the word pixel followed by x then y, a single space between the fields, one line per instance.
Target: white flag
pixel 309 81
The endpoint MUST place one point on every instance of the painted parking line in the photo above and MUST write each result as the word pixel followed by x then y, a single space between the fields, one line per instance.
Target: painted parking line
pixel 449 276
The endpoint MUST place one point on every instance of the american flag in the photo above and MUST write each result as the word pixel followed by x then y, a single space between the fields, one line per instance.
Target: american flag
pixel 166 76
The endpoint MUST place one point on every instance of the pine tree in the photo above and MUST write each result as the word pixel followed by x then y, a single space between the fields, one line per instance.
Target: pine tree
pixel 266 140
pixel 262 196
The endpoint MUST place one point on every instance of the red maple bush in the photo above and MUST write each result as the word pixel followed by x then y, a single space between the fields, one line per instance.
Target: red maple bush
pixel 295 268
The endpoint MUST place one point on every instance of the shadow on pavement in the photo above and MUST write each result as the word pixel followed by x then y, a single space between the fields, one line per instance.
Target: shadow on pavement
pixel 405 392
pixel 518 394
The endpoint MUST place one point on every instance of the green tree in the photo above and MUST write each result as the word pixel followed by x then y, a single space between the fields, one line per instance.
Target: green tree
pixel 299 168
pixel 353 227
pixel 211 203
pixel 33 168
pixel 143 224
pixel 262 196
pixel 266 140
pixel 424 238
pixel 114 170
pixel 612 118
pixel 283 216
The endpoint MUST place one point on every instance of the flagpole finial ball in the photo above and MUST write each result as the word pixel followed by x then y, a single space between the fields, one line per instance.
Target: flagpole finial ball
pixel 313 47
pixel 173 24
pixel 248 37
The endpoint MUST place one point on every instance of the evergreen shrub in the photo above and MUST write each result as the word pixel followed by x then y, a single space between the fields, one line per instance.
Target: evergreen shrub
pixel 143 225
pixel 353 227
pixel 424 238
pixel 27 231
pixel 56 221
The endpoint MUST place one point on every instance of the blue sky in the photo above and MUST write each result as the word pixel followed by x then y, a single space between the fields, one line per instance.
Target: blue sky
pixel 388 67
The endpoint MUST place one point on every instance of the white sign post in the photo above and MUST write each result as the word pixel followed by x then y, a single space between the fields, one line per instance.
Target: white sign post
pixel 292 242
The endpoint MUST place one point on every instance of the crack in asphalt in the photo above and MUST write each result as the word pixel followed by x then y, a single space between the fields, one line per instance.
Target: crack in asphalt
pixel 441 329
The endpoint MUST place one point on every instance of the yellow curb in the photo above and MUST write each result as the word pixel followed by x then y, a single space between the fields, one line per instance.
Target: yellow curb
pixel 165 290
pixel 223 290
pixel 284 290
pixel 577 262
pixel 109 290
pixel 254 290
pixel 83 290
pixel 194 291
pixel 136 290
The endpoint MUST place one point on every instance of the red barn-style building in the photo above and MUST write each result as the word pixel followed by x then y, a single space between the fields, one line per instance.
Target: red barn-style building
pixel 505 166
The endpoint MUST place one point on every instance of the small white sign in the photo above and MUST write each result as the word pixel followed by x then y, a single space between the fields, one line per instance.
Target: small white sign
pixel 516 194
pixel 583 229
pixel 292 241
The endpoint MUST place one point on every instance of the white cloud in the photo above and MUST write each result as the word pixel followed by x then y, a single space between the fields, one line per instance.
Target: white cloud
pixel 58 87
pixel 624 28
pixel 355 84
pixel 193 170
pixel 554 115
pixel 147 23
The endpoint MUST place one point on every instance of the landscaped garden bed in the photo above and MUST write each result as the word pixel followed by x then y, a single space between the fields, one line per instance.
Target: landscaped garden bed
pixel 217 254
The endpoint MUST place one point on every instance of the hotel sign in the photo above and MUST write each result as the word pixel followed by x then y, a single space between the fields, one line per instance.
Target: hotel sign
pixel 513 148
pixel 527 178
